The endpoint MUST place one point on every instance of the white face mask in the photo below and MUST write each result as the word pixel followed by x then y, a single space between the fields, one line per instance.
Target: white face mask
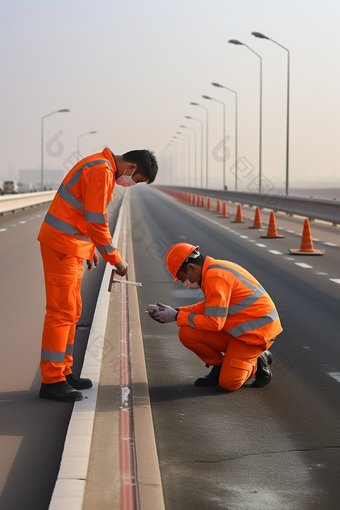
pixel 188 285
pixel 126 180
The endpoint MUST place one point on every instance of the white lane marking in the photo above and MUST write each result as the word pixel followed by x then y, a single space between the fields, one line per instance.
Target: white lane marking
pixel 289 258
pixel 38 216
pixel 22 221
pixel 306 347
pixel 261 245
pixel 291 231
pixel 335 375
pixel 275 252
pixel 3 229
pixel 251 241
pixel 302 264
pixel 330 244
pixel 315 239
pixel 319 272
pixel 335 280
pixel 231 230
pixel 32 218
pixel 244 237
pixel 14 225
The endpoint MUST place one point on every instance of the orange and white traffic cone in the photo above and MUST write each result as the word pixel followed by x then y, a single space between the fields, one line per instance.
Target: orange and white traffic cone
pixel 257 219
pixel 218 207
pixel 272 232
pixel 224 210
pixel 202 202
pixel 209 204
pixel 306 247
pixel 239 217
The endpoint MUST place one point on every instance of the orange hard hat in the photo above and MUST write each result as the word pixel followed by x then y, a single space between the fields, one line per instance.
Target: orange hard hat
pixel 178 254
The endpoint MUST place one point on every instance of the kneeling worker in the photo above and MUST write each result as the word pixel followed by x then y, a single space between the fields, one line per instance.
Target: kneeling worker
pixel 232 328
pixel 75 224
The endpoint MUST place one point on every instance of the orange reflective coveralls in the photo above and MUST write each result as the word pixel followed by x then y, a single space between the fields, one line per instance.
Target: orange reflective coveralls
pixel 237 317
pixel 74 225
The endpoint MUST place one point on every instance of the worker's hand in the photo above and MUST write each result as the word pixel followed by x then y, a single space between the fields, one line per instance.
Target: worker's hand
pixel 168 314
pixel 122 268
pixel 93 262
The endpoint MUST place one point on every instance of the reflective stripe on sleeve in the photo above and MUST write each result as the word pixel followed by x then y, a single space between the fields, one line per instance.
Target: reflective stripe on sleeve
pixel 69 349
pixel 93 217
pixel 69 198
pixel 248 301
pixel 65 227
pixel 53 356
pixel 216 311
pixel 238 275
pixel 78 173
pixel 254 324
pixel 191 319
pixel 106 249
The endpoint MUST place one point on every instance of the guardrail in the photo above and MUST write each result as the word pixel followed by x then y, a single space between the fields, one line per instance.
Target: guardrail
pixel 12 203
pixel 312 208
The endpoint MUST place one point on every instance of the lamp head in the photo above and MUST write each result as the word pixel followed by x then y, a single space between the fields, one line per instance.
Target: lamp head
pixel 235 41
pixel 182 126
pixel 217 85
pixel 194 104
pixel 259 35
pixel 187 117
pixel 64 110
pixel 206 97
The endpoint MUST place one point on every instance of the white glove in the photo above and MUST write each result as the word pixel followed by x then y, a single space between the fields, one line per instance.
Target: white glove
pixel 167 315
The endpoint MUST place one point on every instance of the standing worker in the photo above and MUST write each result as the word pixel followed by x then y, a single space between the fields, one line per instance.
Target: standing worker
pixel 74 226
pixel 232 328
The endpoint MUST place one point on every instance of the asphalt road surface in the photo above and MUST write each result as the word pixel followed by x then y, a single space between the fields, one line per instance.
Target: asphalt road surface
pixel 32 430
pixel 271 448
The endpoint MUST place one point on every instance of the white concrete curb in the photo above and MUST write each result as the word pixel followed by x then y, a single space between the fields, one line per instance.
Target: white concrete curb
pixel 9 203
pixel 69 489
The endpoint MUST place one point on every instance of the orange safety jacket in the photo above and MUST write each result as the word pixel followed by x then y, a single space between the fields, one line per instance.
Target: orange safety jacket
pixel 76 221
pixel 234 301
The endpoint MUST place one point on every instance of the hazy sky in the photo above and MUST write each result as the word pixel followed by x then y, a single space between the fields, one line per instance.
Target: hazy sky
pixel 129 70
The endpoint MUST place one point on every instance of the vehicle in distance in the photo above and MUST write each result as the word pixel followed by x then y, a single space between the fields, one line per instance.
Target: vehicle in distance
pixel 10 187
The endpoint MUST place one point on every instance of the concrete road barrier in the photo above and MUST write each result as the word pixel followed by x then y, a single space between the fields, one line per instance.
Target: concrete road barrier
pixel 12 203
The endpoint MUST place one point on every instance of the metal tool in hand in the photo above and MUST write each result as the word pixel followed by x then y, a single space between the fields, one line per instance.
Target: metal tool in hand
pixel 115 280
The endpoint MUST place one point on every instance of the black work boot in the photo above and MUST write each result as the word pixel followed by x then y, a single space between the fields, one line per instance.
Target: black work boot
pixel 263 373
pixel 210 379
pixel 61 391
pixel 78 382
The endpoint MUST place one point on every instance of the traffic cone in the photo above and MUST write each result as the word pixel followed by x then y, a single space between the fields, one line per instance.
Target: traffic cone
pixel 218 207
pixel 306 247
pixel 209 204
pixel 272 232
pixel 239 218
pixel 202 202
pixel 257 219
pixel 224 210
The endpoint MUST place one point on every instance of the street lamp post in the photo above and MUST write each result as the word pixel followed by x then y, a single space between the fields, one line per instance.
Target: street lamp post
pixel 235 41
pixel 261 36
pixel 207 140
pixel 42 142
pixel 201 122
pixel 189 166
pixel 236 121
pixel 78 137
pixel 217 101
pixel 195 159
pixel 183 154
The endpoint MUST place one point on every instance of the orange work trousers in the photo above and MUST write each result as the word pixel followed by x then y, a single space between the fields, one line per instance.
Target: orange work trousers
pixel 239 361
pixel 63 308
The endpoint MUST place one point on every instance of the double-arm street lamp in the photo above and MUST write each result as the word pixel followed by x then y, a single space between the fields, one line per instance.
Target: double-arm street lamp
pixel 236 115
pixel 80 136
pixel 42 142
pixel 235 41
pixel 217 101
pixel 201 122
pixel 261 36
pixel 207 139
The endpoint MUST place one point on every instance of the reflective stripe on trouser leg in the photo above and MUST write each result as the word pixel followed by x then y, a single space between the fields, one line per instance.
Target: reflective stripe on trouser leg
pixel 240 363
pixel 207 345
pixel 61 283
pixel 70 340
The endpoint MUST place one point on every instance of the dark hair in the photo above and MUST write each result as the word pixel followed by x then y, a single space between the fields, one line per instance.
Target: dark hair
pixel 199 261
pixel 146 163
